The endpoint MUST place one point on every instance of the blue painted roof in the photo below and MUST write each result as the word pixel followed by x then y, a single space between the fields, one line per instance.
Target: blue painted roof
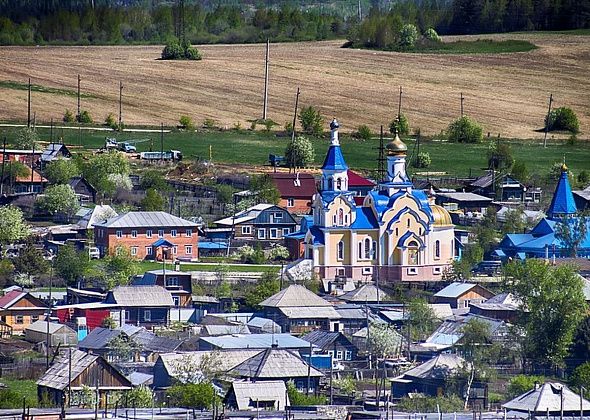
pixel 562 202
pixel 163 242
pixel 365 219
pixel 212 245
pixel 544 227
pixel 334 160
pixel 318 235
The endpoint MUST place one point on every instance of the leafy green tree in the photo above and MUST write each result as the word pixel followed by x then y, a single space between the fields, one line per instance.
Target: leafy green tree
pixel 384 341
pixel 311 121
pixel 141 397
pixel 278 252
pixel 514 222
pixel 186 122
pixel 267 286
pixel 408 36
pixel 299 152
pixel 572 231
pixel 60 171
pixel 520 384
pixel 60 199
pixel 68 117
pixel 6 271
pixel 116 269
pixel 554 302
pixel 71 265
pixel 400 124
pixel 13 227
pixel 225 193
pixel 25 138
pixel 153 178
pixel 111 121
pixel 500 156
pixel 431 35
pixel 472 255
pixel 346 385
pixel 264 186
pixel 84 117
pixel 425 404
pixel 363 132
pixel 98 169
pixel 581 376
pixel 297 398
pixel 464 130
pixel 519 170
pixel 421 320
pixel 109 323
pixel 30 261
pixel 15 170
pixel 583 178
pixel 422 160
pixel 562 119
pixel 200 395
pixel 153 201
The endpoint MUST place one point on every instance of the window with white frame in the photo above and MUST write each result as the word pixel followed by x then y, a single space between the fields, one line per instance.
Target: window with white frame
pixel 339 355
pixel 367 248
pixel 119 234
pixel 348 355
pixel 176 300
pixel 127 315
pixel 189 233
pixel 262 233
pixel 278 215
pixel 161 233
pixel 19 319
pixel 246 230
pixel 148 233
pixel 290 202
pixel 173 233
pixel 147 315
pixel 286 231
pixel 437 249
pixel 133 251
pixel 274 233
pixel 149 250
pixel 367 270
pixel 175 250
pixel 374 250
pixel 171 281
pixel 134 234
pixel 188 249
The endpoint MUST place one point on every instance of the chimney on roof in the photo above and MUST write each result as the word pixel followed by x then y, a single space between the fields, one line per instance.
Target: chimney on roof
pixel 274 345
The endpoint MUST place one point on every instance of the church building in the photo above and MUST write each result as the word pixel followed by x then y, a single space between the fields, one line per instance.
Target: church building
pixel 397 233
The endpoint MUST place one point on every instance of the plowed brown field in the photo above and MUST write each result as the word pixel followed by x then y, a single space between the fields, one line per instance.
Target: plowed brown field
pixel 507 93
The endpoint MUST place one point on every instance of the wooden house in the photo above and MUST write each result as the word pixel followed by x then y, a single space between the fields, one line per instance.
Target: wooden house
pixel 55 151
pixel 146 306
pixel 20 309
pixel 299 311
pixel 59 334
pixel 262 222
pixel 267 395
pixel 85 370
pixel 334 344
pixel 296 190
pixel 85 192
pixel 31 182
pixel 178 283
pixel 461 295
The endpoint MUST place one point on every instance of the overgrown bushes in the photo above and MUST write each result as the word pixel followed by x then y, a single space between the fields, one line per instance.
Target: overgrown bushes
pixel 464 130
pixel 176 50
pixel 562 119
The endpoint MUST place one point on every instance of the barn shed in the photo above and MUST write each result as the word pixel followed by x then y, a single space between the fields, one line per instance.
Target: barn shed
pixel 59 334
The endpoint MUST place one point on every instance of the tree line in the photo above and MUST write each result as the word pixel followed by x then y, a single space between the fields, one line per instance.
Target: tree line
pixel 108 22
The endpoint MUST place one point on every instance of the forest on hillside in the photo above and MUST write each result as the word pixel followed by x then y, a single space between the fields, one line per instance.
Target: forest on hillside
pixel 89 22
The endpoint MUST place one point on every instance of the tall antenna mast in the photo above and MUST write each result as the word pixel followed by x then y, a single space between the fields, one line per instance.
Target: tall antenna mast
pixel 292 163
pixel 29 106
pixel 546 123
pixel 265 107
pixel 381 159
pixel 399 106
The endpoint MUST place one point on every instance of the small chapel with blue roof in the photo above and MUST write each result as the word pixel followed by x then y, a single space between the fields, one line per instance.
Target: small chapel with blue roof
pixel 397 234
pixel 543 240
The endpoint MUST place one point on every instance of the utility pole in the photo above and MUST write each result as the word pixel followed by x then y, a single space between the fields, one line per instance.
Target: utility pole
pixel 462 99
pixel 399 106
pixel 3 164
pixel 32 164
pixel 265 108
pixel 79 98
pixel 381 158
pixel 29 106
pixel 547 120
pixel 295 115
pixel 360 12
pixel 120 104
pixel 162 141
pixel 47 319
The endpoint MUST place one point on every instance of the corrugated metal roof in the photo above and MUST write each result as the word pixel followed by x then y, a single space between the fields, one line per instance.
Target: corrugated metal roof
pixel 41 326
pixel 454 290
pixel 265 324
pixel 146 219
pixel 275 363
pixel 218 330
pixel 465 196
pixel 98 214
pixel 294 295
pixel 225 360
pixel 244 216
pixel 547 397
pixel 256 341
pixel 365 293
pixel 439 367
pixel 304 312
pixel 288 187
pixel 148 296
pixel 321 338
pixel 249 393
pixel 98 338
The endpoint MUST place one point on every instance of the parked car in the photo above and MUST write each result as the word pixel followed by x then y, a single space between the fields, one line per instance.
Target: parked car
pixel 93 253
pixel 489 268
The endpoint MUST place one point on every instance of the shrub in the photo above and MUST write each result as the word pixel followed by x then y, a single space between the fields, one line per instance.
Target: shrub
pixel 200 395
pixel 523 383
pixel 464 130
pixel 363 133
pixel 426 404
pixel 519 171
pixel 210 123
pixel 84 117
pixel 401 124
pixel 500 156
pixel 431 35
pixel 408 36
pixel 299 152
pixel 279 252
pixel 299 399
pixel 562 119
pixel 186 122
pixel 289 128
pixel 422 160
pixel 26 137
pixel 269 124
pixel 172 50
pixel 68 116
pixel 110 121
pixel 192 53
pixel 311 121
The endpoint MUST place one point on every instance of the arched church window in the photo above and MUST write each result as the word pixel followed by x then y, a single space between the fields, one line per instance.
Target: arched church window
pixel 367 248
pixel 340 254
pixel 340 217
pixel 413 253
pixel 408 222
pixel 374 250
pixel 329 183
pixel 339 184
pixel 360 254
pixel 437 249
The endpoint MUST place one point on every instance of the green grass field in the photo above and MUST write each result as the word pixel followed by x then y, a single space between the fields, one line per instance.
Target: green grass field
pixel 24 388
pixel 253 148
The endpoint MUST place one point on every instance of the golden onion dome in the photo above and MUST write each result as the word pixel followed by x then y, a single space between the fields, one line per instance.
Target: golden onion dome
pixel 563 167
pixel 396 146
pixel 441 216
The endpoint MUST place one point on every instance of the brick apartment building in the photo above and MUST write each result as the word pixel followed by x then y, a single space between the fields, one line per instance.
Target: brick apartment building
pixel 296 189
pixel 138 231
